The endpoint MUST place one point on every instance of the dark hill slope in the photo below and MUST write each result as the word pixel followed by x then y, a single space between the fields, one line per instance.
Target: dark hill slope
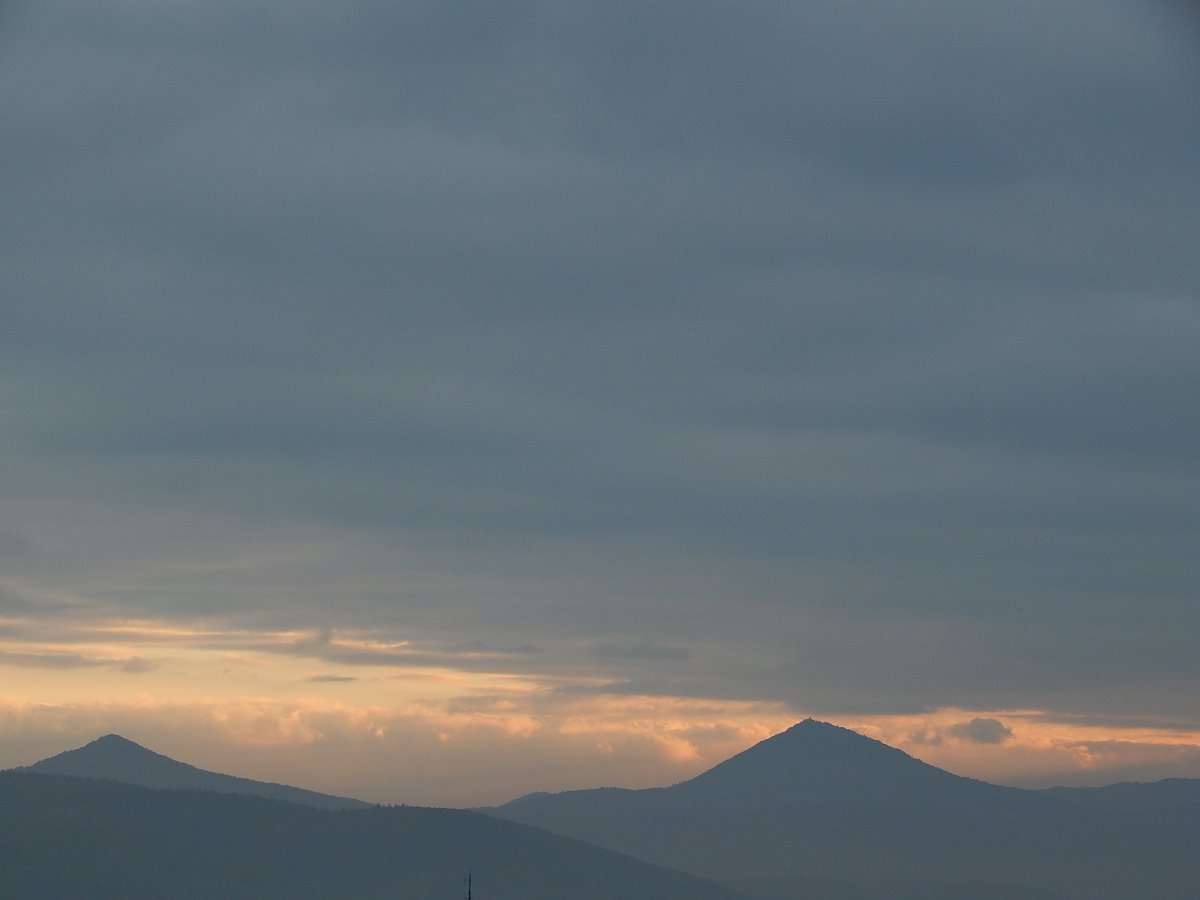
pixel 75 838
pixel 119 759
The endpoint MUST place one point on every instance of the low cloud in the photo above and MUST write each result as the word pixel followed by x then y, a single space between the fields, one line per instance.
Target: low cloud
pixel 331 679
pixel 51 660
pixel 981 731
pixel 137 664
pixel 640 650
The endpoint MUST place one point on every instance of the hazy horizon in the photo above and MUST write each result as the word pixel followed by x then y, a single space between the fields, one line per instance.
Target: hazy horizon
pixel 269 764
pixel 437 403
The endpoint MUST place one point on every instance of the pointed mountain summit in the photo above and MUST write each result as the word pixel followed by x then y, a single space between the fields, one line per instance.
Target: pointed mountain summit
pixel 116 758
pixel 819 761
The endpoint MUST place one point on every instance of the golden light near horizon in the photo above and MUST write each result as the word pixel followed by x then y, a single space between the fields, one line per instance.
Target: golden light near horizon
pixel 245 701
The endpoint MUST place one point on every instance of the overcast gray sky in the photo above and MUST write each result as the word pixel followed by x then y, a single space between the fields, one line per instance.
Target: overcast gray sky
pixel 825 357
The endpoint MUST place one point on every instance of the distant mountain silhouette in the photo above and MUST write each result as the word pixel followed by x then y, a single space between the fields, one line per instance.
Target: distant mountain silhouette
pixel 65 837
pixel 820 810
pixel 119 759
pixel 1133 796
pixel 816 760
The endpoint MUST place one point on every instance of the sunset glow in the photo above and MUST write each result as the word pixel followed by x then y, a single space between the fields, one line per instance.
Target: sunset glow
pixel 241 700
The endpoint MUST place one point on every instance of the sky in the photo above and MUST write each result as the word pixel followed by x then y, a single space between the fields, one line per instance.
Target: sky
pixel 439 401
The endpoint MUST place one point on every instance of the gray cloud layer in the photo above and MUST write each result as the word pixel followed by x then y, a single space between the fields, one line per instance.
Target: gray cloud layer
pixel 837 353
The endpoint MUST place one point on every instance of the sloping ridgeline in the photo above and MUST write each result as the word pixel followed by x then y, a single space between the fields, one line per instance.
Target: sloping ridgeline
pixel 65 837
pixel 120 759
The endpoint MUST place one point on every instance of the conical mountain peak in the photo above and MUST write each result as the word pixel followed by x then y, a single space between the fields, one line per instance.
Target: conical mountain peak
pixel 114 743
pixel 819 760
pixel 815 728
pixel 116 757
pixel 813 741
pixel 115 740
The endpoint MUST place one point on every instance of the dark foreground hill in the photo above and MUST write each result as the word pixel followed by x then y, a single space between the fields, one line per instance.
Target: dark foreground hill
pixel 119 759
pixel 820 811
pixel 64 837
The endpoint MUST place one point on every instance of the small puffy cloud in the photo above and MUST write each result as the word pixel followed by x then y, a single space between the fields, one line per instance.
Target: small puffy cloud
pixel 925 737
pixel 136 664
pixel 981 731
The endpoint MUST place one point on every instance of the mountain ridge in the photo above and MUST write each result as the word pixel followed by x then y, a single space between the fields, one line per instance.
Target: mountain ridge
pixel 116 758
pixel 822 805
